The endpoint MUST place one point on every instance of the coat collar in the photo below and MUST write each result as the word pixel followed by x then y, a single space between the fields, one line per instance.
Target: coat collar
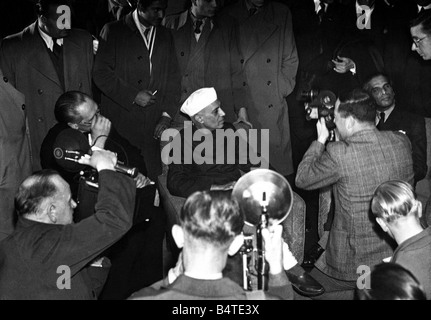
pixel 261 25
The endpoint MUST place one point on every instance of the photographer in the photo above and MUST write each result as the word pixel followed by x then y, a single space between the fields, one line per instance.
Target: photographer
pixel 354 166
pixel 46 238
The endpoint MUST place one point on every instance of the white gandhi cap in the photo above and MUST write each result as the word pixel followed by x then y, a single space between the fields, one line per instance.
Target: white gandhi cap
pixel 198 100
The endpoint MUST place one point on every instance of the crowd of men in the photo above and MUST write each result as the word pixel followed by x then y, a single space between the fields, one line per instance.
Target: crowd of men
pixel 124 73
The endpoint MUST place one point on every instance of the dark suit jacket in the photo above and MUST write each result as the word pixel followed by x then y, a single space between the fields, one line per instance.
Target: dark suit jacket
pixel 414 127
pixel 186 288
pixel 31 256
pixel 414 255
pixel 184 179
pixel 122 70
pixel 223 69
pixel 25 61
pixel 355 168
pixel 15 154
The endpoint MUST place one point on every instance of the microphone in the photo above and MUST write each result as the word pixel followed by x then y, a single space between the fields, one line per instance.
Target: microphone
pixel 71 145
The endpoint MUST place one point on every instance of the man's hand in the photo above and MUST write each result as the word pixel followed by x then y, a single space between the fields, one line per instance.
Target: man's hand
pixel 142 181
pixel 343 65
pixel 164 123
pixel 227 186
pixel 100 129
pixel 100 160
pixel 322 131
pixel 242 121
pixel 274 248
pixel 145 98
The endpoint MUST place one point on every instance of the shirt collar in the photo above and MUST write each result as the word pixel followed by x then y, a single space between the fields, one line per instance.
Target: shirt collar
pixel 387 113
pixel 138 23
pixel 425 7
pixel 359 9
pixel 317 5
pixel 48 39
pixel 204 276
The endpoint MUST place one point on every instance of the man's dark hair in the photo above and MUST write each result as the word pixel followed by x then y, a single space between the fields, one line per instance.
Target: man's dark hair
pixel 359 105
pixel 391 281
pixel 144 4
pixel 42 6
pixel 34 190
pixel 424 20
pixel 65 110
pixel 366 85
pixel 212 216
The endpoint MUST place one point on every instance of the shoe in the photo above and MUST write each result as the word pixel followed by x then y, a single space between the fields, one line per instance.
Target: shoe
pixel 303 283
pixel 312 255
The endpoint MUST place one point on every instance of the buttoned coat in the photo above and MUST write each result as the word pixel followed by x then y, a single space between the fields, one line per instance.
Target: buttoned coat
pixel 122 70
pixel 15 162
pixel 355 168
pixel 270 63
pixel 221 57
pixel 25 61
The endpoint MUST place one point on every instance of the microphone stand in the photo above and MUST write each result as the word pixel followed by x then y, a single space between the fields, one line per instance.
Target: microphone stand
pixel 262 282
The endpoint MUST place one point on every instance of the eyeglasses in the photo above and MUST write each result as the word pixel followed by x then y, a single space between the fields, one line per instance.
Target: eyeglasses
pixel 417 41
pixel 88 123
pixel 378 91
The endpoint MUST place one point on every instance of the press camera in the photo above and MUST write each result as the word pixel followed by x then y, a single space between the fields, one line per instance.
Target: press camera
pixel 318 104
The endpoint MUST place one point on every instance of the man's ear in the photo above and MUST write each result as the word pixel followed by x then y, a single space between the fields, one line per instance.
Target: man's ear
pixel 419 204
pixel 382 224
pixel 73 125
pixel 236 244
pixel 52 213
pixel 350 123
pixel 198 118
pixel 178 235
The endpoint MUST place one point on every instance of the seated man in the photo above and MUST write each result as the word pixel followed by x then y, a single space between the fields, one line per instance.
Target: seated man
pixel 210 230
pixel 216 167
pixel 398 211
pixel 130 268
pixel 46 239
pixel 391 117
pixel 78 111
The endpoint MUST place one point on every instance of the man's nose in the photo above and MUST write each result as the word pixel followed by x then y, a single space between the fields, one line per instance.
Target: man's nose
pixel 221 112
pixel 74 204
pixel 414 47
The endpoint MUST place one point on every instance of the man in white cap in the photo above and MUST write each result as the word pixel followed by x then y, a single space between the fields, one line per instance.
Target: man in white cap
pixel 205 171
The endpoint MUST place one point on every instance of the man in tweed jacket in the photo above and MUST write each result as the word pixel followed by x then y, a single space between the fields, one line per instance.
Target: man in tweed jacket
pixel 354 166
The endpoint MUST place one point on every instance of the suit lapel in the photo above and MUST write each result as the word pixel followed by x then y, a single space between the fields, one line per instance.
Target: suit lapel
pixel 262 28
pixel 39 58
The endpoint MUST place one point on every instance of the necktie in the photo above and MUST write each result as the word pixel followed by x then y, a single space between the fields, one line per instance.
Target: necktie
pixel 382 121
pixel 198 25
pixel 146 32
pixel 321 11
pixel 252 11
pixel 421 10
pixel 56 48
